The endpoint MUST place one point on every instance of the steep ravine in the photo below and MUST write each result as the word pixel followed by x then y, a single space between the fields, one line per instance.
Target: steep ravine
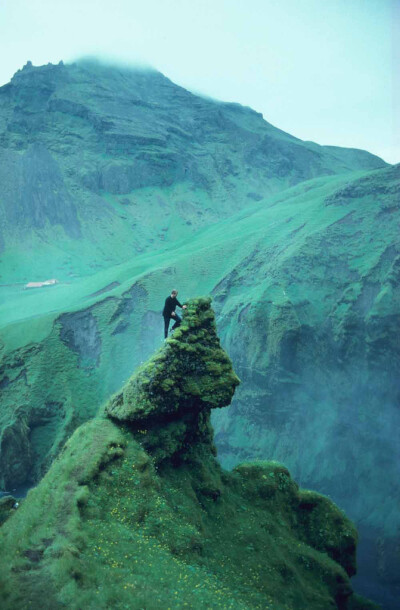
pixel 319 356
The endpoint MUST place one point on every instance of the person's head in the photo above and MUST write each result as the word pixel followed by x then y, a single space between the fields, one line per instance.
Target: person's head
pixel 174 293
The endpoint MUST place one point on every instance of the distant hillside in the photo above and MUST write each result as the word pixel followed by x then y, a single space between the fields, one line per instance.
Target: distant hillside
pixel 98 164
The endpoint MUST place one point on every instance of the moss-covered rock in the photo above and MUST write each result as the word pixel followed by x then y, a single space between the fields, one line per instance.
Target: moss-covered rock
pixel 137 512
pixel 190 373
pixel 167 402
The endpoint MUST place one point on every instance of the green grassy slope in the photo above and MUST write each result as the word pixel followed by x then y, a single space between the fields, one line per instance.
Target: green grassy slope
pixel 138 513
pixel 272 220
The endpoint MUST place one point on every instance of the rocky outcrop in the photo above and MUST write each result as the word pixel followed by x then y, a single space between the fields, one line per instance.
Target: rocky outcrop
pixel 15 450
pixel 170 398
pixel 79 331
pixel 137 511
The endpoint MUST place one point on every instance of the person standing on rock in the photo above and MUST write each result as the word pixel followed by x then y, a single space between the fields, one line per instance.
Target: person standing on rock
pixel 169 311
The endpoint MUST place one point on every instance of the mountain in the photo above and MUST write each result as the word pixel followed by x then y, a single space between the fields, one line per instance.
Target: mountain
pixel 98 164
pixel 137 512
pixel 302 265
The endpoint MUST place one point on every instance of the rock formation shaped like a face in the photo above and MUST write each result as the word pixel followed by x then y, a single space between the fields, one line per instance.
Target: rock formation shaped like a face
pixel 108 518
pixel 169 399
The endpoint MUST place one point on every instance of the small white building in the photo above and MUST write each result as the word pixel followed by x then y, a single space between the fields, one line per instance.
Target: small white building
pixel 41 284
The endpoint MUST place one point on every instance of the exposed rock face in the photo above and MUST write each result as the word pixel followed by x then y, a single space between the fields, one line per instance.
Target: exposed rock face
pixel 79 331
pixel 34 193
pixel 15 450
pixel 125 520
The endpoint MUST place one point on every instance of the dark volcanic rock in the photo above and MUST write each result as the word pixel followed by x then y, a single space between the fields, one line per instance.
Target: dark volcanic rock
pixel 80 333
pixel 7 504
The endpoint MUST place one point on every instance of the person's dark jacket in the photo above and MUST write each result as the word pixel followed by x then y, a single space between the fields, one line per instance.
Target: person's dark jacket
pixel 170 306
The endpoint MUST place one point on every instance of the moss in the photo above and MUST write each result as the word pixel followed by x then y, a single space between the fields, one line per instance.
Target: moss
pixel 327 529
pixel 317 520
pixel 168 400
pixel 125 530
pixel 138 512
pixel 190 365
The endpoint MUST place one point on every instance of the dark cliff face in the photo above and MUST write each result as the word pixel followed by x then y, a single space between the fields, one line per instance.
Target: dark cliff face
pixel 139 512
pixel 34 193
pixel 320 384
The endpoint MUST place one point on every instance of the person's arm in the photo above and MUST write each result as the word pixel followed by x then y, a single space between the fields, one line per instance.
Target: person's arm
pixel 179 305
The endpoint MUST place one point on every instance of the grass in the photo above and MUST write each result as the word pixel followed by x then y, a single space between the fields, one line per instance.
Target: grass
pixel 208 257
pixel 106 528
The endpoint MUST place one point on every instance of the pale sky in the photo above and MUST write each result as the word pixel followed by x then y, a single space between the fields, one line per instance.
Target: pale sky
pixel 322 70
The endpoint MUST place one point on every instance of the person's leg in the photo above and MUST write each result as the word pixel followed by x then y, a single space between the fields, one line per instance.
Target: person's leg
pixel 166 325
pixel 177 320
